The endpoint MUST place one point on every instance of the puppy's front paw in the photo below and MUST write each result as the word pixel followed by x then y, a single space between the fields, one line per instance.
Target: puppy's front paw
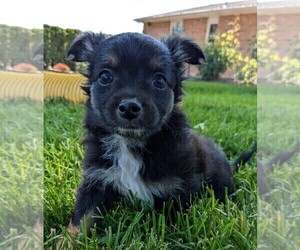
pixel 64 240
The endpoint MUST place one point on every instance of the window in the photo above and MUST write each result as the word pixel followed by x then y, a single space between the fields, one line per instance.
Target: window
pixel 212 26
pixel 176 28
pixel 212 30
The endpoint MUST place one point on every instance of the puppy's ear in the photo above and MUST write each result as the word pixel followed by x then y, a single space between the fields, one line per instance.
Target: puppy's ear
pixel 184 50
pixel 83 46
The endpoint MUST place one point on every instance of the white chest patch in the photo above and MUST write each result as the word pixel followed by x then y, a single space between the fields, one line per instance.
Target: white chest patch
pixel 124 174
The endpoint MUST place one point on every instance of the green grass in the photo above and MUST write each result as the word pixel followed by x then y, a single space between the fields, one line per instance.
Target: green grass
pixel 225 113
pixel 21 182
pixel 278 129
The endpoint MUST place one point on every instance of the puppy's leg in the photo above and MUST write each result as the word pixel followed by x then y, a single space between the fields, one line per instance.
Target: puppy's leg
pixel 90 200
pixel 214 166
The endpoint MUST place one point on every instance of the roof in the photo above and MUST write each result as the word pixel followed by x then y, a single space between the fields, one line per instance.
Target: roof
pixel 221 8
pixel 232 8
pixel 279 7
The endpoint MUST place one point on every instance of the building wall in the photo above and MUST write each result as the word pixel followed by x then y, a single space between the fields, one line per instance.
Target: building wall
pixel 157 30
pixel 287 29
pixel 247 32
pixel 196 29
pixel 246 35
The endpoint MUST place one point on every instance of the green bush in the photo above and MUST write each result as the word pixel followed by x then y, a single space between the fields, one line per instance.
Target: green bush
pixel 289 72
pixel 56 44
pixel 221 54
pixel 248 71
pixel 17 45
pixel 280 69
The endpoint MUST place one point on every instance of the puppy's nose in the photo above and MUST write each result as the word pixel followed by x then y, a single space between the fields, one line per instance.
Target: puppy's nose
pixel 129 109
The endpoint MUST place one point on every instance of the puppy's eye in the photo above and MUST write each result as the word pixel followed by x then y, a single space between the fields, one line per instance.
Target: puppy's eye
pixel 105 77
pixel 159 81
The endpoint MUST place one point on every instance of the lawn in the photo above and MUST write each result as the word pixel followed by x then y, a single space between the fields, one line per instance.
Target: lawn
pixel 21 172
pixel 278 130
pixel 224 112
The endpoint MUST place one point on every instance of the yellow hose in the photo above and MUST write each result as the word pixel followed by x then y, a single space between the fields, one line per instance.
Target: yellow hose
pixel 43 85
pixel 64 85
pixel 14 85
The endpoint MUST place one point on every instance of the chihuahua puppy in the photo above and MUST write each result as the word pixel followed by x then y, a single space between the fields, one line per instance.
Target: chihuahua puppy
pixel 138 141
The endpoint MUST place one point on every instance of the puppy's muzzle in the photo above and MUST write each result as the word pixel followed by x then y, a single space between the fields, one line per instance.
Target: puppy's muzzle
pixel 129 109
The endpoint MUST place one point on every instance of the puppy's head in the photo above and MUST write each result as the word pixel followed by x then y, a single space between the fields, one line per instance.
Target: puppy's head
pixel 134 80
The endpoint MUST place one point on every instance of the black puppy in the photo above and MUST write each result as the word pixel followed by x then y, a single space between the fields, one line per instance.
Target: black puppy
pixel 137 139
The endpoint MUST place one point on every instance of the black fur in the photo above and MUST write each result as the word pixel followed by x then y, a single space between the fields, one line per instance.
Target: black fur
pixel 243 158
pixel 146 74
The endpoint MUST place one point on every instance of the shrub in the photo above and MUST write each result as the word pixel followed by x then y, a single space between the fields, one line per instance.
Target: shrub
pixel 56 44
pixel 221 54
pixel 280 69
pixel 289 72
pixel 248 72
